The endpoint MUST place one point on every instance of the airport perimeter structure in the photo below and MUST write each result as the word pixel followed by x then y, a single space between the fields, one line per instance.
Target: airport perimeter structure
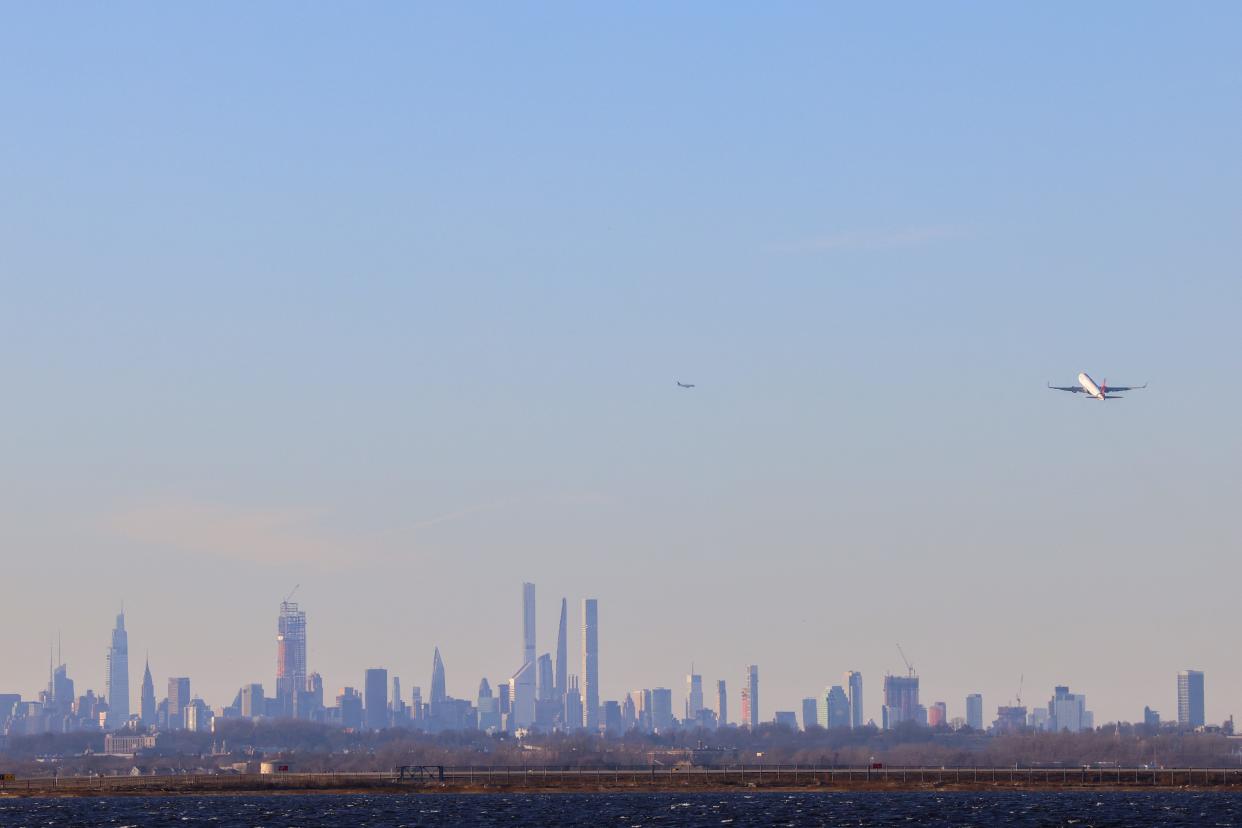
pixel 427 779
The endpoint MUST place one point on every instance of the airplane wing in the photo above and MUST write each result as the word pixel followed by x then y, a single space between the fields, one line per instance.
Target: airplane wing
pixel 1073 389
pixel 1113 388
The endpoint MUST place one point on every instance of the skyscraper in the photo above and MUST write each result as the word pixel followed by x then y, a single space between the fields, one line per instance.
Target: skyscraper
pixel 745 722
pixel 694 695
pixel 1068 711
pixel 854 688
pixel 750 714
pixel 810 716
pixel 562 653
pixel 722 704
pixel 148 697
pixel 573 704
pixel 178 698
pixel 901 700
pixel 836 709
pixel 290 656
pixel 528 623
pixel 661 709
pixel 375 698
pixel 974 711
pixel 545 691
pixel 590 664
pixel 438 693
pixel 522 697
pixel 1190 699
pixel 118 676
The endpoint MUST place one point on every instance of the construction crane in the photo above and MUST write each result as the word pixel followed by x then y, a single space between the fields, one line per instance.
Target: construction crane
pixel 1021 678
pixel 909 666
pixel 290 595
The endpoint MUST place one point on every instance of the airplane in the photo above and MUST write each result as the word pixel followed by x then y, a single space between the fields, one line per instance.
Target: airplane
pixel 1103 391
pixel 681 384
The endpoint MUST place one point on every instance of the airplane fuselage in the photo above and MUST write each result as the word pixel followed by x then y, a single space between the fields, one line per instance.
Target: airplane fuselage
pixel 1091 388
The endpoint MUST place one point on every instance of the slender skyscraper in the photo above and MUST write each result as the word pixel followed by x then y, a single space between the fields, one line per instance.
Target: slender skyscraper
pixel 694 695
pixel 854 688
pixel 562 654
pixel 528 623
pixel 118 676
pixel 290 655
pixel 148 697
pixel 438 693
pixel 752 695
pixel 722 704
pixel 590 664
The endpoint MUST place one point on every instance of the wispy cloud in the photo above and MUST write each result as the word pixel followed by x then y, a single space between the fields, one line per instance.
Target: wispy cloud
pixel 874 239
pixel 274 537
pixel 255 535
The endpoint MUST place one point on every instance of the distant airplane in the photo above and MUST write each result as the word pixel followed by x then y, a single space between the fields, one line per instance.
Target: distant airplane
pixel 681 384
pixel 1103 391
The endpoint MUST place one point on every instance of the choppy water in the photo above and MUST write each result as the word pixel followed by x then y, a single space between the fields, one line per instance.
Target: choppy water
pixel 1081 810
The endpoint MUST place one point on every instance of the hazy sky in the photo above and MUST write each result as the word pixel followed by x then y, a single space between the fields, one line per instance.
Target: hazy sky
pixel 388 300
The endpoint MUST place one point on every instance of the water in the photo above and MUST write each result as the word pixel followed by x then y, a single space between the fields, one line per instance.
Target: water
pixel 626 810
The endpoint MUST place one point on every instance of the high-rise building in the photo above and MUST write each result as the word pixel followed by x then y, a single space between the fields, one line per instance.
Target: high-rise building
pixel 974 711
pixel 396 705
pixel 1068 711
pixel 545 691
pixel 118 676
pixel 522 697
pixel 290 656
pixel 810 714
pixel 836 709
pixel 590 664
pixel 196 716
pixel 573 704
pixel 253 701
pixel 349 708
pixel 854 688
pixel 178 698
pixel 562 653
pixel 438 692
pixel 661 709
pixel 694 695
pixel 786 718
pixel 1151 718
pixel 938 715
pixel 750 703
pixel 901 700
pixel 722 704
pixel 375 698
pixel 611 716
pixel 489 708
pixel 1190 699
pixel 629 713
pixel 528 623
pixel 148 697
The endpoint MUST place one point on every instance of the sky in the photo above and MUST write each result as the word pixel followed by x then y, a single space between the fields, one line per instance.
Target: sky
pixel 388 301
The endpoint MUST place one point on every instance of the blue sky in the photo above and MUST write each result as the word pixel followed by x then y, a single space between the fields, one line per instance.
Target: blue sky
pixel 389 300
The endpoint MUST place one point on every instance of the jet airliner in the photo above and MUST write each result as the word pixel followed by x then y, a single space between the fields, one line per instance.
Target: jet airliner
pixel 1103 391
pixel 681 384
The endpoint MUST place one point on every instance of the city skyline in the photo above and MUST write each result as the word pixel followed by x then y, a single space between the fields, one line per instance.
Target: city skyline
pixel 1188 708
pixel 404 326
